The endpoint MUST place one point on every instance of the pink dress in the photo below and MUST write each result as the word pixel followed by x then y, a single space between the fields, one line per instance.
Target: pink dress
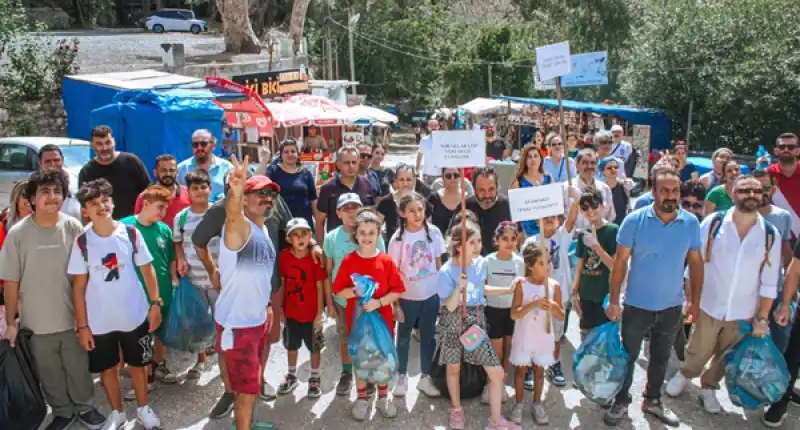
pixel 531 344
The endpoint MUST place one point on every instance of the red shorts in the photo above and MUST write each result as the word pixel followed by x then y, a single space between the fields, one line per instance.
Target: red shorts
pixel 243 361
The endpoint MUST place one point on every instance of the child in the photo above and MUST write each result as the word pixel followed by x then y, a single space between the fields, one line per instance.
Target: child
pixel 416 249
pixel 303 283
pixel 502 268
pixel 188 264
pixel 338 244
pixel 595 251
pixel 456 279
pixel 368 260
pixel 532 344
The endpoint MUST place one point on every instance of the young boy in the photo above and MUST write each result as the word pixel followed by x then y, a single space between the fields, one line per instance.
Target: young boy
pixel 595 250
pixel 303 283
pixel 113 313
pixel 157 237
pixel 198 185
pixel 339 243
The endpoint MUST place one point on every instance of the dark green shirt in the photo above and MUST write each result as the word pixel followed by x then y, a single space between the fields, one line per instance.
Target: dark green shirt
pixel 594 283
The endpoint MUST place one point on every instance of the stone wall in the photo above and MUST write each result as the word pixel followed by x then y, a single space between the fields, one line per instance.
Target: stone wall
pixel 53 18
pixel 43 118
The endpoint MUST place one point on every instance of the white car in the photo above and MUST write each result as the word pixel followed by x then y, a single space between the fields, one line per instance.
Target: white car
pixel 19 157
pixel 175 20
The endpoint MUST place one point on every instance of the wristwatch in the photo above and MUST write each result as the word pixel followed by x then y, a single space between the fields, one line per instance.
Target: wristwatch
pixel 159 303
pixel 761 321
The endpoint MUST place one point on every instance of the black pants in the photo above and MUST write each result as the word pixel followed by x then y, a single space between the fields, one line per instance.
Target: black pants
pixel 792 357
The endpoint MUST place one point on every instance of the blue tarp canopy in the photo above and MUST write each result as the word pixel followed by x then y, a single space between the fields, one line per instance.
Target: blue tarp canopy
pixel 660 124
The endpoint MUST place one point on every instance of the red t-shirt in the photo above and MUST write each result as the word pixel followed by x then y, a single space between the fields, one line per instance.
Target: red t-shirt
pixel 382 270
pixel 179 202
pixel 788 186
pixel 300 277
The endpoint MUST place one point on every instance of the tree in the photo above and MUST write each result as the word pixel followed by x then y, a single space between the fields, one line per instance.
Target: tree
pixel 299 9
pixel 236 27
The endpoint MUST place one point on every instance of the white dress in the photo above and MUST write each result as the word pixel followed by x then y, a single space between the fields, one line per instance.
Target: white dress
pixel 531 344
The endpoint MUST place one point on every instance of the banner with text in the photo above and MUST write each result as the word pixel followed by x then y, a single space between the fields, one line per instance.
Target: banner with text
pixel 587 69
pixel 459 148
pixel 553 60
pixel 532 203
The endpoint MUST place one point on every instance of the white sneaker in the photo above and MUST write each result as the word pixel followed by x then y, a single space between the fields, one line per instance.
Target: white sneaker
pixel 540 414
pixel 387 407
pixel 268 392
pixel 485 395
pixel 401 386
pixel 360 410
pixel 676 385
pixel 709 400
pixel 131 394
pixel 426 386
pixel 516 413
pixel 147 418
pixel 116 421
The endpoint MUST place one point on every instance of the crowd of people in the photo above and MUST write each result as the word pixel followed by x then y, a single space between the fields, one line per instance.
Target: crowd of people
pixel 272 255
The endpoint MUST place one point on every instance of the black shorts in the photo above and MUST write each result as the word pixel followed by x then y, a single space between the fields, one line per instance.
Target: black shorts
pixel 296 333
pixel 499 322
pixel 136 347
pixel 593 315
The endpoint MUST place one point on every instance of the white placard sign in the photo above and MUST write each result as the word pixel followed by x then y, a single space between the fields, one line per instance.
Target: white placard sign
pixel 532 203
pixel 553 60
pixel 459 148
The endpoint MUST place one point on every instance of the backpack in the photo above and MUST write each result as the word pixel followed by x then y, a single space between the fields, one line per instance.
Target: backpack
pixel 131 230
pixel 716 224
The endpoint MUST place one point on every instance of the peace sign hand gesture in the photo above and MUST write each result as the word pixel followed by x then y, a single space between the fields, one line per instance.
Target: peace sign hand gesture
pixel 238 176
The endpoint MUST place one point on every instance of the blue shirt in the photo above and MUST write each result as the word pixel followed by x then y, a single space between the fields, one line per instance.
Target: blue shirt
pixel 559 171
pixel 297 189
pixel 645 199
pixel 450 273
pixel 658 253
pixel 217 171
pixel 686 172
pixel 531 228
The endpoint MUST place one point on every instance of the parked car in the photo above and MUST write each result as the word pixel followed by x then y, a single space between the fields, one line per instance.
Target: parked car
pixel 19 157
pixel 175 20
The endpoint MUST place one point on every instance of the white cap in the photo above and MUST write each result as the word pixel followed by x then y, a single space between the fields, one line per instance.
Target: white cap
pixel 617 127
pixel 296 223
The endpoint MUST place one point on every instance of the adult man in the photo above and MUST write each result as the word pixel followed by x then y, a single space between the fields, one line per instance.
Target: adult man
pixel 314 141
pixel 587 174
pixel 430 171
pixel 124 171
pixel 657 240
pixel 166 172
pixel 365 159
pixel 496 148
pixel 603 142
pixel 693 196
pixel 203 145
pixel 45 293
pixel 490 208
pixel 787 175
pixel 738 284
pixel 247 259
pixel 622 149
pixel 51 156
pixel 345 180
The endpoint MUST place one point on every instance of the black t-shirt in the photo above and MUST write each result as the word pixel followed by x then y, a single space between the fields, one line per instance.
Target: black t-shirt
pixel 796 252
pixel 441 215
pixel 388 208
pixel 127 176
pixel 621 200
pixel 495 149
pixel 489 219
pixel 329 194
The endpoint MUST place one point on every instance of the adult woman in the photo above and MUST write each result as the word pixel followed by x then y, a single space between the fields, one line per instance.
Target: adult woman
pixel 385 174
pixel 556 164
pixel 721 197
pixel 297 184
pixel 404 182
pixel 539 139
pixel 687 170
pixel 715 176
pixel 572 144
pixel 446 201
pixel 18 207
pixel 610 166
pixel 530 173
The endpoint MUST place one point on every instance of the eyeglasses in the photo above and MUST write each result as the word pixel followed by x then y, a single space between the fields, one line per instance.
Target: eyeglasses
pixel 264 192
pixel 452 175
pixel 365 156
pixel 589 206
pixel 689 205
pixel 753 191
pixel 200 143
pixel 784 146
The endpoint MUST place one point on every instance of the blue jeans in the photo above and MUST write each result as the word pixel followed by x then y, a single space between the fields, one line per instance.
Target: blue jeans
pixel 422 313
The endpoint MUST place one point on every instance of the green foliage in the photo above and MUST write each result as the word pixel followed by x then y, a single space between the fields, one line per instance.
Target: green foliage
pixel 12 22
pixel 36 68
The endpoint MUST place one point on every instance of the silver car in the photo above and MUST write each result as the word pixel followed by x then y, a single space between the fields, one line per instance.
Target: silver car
pixel 19 157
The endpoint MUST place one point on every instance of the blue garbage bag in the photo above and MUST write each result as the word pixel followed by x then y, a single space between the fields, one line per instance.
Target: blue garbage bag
pixel 188 326
pixel 755 371
pixel 600 364
pixel 370 343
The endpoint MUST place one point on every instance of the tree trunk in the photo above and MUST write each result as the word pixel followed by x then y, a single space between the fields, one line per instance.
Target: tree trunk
pixel 236 27
pixel 299 9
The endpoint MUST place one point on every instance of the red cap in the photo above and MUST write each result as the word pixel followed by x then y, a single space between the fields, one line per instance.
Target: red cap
pixel 259 182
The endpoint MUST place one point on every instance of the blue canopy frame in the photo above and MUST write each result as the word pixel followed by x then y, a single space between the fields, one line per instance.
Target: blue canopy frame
pixel 659 122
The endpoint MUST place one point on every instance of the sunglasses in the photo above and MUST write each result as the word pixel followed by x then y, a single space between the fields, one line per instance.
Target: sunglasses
pixel 753 191
pixel 589 206
pixel 366 156
pixel 689 205
pixel 200 143
pixel 612 168
pixel 265 192
pixel 785 146
pixel 556 144
pixel 452 175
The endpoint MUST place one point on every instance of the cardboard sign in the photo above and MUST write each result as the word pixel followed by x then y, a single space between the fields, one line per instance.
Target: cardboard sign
pixel 553 60
pixel 587 70
pixel 459 148
pixel 532 203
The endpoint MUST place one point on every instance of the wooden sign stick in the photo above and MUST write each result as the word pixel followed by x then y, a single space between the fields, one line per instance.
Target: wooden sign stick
pixel 546 256
pixel 561 130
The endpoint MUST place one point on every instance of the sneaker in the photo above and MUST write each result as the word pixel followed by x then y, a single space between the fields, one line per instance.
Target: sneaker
pixel 401 386
pixel 540 414
pixel 116 421
pixel 223 407
pixel 775 415
pixel 710 402
pixel 657 409
pixel 288 385
pixel 614 415
pixel 92 419
pixel 314 387
pixel 147 418
pixel 529 379
pixel 268 392
pixel 164 375
pixel 426 386
pixel 386 407
pixel 345 384
pixel 131 394
pixel 556 375
pixel 457 419
pixel 794 397
pixel 676 385
pixel 196 371
pixel 516 413
pixel 61 423
pixel 360 410
pixel 502 425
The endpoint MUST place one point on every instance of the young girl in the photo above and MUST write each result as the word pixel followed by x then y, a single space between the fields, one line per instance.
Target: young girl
pixel 367 260
pixel 453 284
pixel 532 345
pixel 416 249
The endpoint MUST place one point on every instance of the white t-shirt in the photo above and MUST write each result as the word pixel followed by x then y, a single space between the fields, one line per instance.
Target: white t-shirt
pixel 558 245
pixel 622 150
pixel 197 272
pixel 115 298
pixel 416 259
pixel 72 207
pixel 502 273
pixel 428 166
